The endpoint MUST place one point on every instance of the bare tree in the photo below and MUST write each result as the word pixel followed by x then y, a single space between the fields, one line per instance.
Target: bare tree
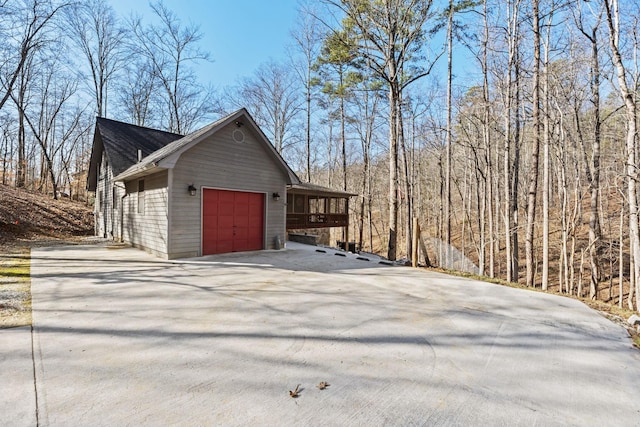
pixel 592 167
pixel 511 139
pixel 27 29
pixel 138 92
pixel 535 150
pixel 22 30
pixel 448 142
pixel 44 117
pixel 389 36
pixel 367 105
pixel 94 28
pixel 7 136
pixel 172 49
pixel 308 39
pixel 628 96
pixel 273 98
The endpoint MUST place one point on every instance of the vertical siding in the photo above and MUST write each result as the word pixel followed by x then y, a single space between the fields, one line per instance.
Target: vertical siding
pixel 147 230
pixel 221 162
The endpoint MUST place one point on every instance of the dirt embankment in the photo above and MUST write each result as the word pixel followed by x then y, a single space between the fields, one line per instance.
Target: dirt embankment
pixel 28 217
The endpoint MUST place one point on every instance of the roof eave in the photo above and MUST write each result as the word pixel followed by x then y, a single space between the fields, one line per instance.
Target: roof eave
pixel 328 192
pixel 138 172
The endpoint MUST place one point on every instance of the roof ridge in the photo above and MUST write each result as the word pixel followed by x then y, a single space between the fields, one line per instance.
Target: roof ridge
pixel 98 118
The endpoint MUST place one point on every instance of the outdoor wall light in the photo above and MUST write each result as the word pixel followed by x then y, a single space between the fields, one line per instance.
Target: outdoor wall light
pixel 239 123
pixel 192 190
pixel 276 196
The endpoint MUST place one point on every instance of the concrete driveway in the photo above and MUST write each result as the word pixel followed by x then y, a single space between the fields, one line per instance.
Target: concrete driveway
pixel 122 338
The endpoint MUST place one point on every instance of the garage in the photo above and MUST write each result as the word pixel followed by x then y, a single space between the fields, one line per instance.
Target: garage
pixel 232 221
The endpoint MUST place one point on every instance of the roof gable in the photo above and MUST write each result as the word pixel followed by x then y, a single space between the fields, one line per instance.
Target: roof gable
pixel 121 142
pixel 167 156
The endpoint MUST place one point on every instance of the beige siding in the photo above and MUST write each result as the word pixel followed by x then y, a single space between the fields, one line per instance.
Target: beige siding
pixel 221 162
pixel 103 208
pixel 147 230
pixel 116 211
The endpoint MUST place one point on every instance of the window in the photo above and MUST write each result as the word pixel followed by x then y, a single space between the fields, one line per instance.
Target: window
pixel 298 206
pixel 316 205
pixel 337 206
pixel 114 197
pixel 289 203
pixel 141 196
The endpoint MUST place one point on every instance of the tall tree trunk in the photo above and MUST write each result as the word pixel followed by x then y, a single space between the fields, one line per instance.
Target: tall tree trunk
pixel 343 137
pixel 546 160
pixel 594 179
pixel 629 102
pixel 308 129
pixel 535 152
pixel 592 168
pixel 511 142
pixel 21 167
pixel 564 201
pixel 621 256
pixel 486 136
pixel 393 167
pixel 407 186
pixel 447 195
pixel 515 171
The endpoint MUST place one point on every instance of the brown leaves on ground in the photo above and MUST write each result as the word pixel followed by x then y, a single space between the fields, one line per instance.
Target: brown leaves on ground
pixel 29 216
pixel 295 392
pixel 323 385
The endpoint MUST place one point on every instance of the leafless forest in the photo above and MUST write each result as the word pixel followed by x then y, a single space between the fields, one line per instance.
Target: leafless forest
pixel 508 128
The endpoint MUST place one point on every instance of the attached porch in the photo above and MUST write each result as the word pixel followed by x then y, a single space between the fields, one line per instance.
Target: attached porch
pixel 312 207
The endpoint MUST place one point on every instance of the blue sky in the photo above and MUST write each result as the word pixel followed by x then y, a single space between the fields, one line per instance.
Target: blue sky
pixel 239 34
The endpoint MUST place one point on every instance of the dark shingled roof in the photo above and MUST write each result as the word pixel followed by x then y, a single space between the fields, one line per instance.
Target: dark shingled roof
pixel 121 142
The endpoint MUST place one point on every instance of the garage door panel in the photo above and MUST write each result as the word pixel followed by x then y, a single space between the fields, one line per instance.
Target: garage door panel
pixel 225 209
pixel 211 233
pixel 210 219
pixel 210 205
pixel 232 221
pixel 224 246
pixel 225 233
pixel 225 221
pixel 240 233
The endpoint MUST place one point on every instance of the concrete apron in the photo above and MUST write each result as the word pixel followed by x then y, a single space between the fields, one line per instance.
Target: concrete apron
pixel 123 338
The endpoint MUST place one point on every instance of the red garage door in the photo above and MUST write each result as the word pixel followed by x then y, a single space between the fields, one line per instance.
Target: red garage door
pixel 232 221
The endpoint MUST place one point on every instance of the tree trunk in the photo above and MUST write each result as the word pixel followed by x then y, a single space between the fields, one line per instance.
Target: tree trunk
pixel 515 172
pixel 546 161
pixel 407 186
pixel 21 167
pixel 535 152
pixel 592 168
pixel 629 102
pixel 512 142
pixel 447 185
pixel 621 257
pixel 308 130
pixel 393 168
